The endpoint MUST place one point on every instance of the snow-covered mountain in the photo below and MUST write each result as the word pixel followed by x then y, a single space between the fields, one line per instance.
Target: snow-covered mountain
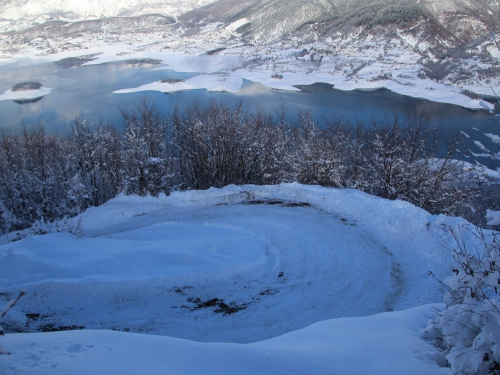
pixel 88 9
pixel 438 26
pixel 443 35
pixel 443 23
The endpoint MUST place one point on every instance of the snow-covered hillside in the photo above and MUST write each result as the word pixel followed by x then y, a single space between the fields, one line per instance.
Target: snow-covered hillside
pixel 235 265
pixel 85 9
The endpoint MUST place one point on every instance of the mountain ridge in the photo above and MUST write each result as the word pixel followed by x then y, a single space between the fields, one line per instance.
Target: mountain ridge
pixel 88 9
pixel 446 24
pixel 269 20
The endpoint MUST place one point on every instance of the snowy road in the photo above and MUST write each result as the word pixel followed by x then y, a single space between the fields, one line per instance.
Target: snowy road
pixel 220 266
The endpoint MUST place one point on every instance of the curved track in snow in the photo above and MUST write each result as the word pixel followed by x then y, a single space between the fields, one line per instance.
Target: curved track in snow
pixel 314 266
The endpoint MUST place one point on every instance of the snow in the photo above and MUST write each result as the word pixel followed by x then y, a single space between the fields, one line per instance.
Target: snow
pixel 211 82
pixel 162 250
pixel 494 138
pixel 486 105
pixel 382 344
pixel 15 10
pixel 481 171
pixel 233 26
pixel 349 60
pixel 308 271
pixel 25 95
pixel 493 217
pixel 231 81
pixel 178 61
pixel 223 72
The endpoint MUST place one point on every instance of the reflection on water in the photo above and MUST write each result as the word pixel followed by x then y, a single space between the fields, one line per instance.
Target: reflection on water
pixel 28 101
pixel 81 91
pixel 73 62
pixel 87 91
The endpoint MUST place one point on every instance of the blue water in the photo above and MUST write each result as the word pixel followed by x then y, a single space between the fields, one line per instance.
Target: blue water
pixel 88 91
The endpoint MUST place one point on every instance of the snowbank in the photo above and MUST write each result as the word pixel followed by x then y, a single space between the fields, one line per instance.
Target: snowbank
pixel 382 344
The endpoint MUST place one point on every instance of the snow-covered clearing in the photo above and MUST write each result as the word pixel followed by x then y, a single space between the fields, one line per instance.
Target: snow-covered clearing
pixel 264 270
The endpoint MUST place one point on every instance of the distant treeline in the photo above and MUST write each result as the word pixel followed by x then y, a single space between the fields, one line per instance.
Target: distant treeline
pixel 48 177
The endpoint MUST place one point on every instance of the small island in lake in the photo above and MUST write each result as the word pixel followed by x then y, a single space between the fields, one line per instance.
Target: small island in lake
pixel 26 86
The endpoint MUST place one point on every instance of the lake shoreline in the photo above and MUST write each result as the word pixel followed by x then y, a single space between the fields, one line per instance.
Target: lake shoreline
pixel 224 73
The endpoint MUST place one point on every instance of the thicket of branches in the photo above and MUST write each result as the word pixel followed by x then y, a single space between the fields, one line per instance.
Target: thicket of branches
pixel 47 177
pixel 468 329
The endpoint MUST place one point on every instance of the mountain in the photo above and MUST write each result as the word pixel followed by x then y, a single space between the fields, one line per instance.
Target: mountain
pixel 108 26
pixel 88 9
pixel 448 41
pixel 444 24
pixel 269 15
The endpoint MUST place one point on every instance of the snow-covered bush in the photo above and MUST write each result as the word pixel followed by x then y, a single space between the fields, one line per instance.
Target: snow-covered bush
pixel 493 217
pixel 9 305
pixel 46 178
pixel 468 329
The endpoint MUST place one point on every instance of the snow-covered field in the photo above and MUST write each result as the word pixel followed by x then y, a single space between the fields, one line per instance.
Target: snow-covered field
pixel 241 280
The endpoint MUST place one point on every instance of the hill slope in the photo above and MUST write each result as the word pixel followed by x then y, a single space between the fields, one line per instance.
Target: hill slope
pixel 448 23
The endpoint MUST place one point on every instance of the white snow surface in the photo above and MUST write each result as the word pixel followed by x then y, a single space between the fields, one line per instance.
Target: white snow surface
pixel 221 72
pixel 493 217
pixel 388 343
pixel 298 264
pixel 162 250
pixel 232 81
pixel 25 94
pixel 83 9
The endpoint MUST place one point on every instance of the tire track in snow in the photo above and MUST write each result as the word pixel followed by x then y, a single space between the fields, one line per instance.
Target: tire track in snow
pixel 319 267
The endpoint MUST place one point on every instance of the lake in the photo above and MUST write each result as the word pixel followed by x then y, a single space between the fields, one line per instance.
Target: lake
pixel 88 91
